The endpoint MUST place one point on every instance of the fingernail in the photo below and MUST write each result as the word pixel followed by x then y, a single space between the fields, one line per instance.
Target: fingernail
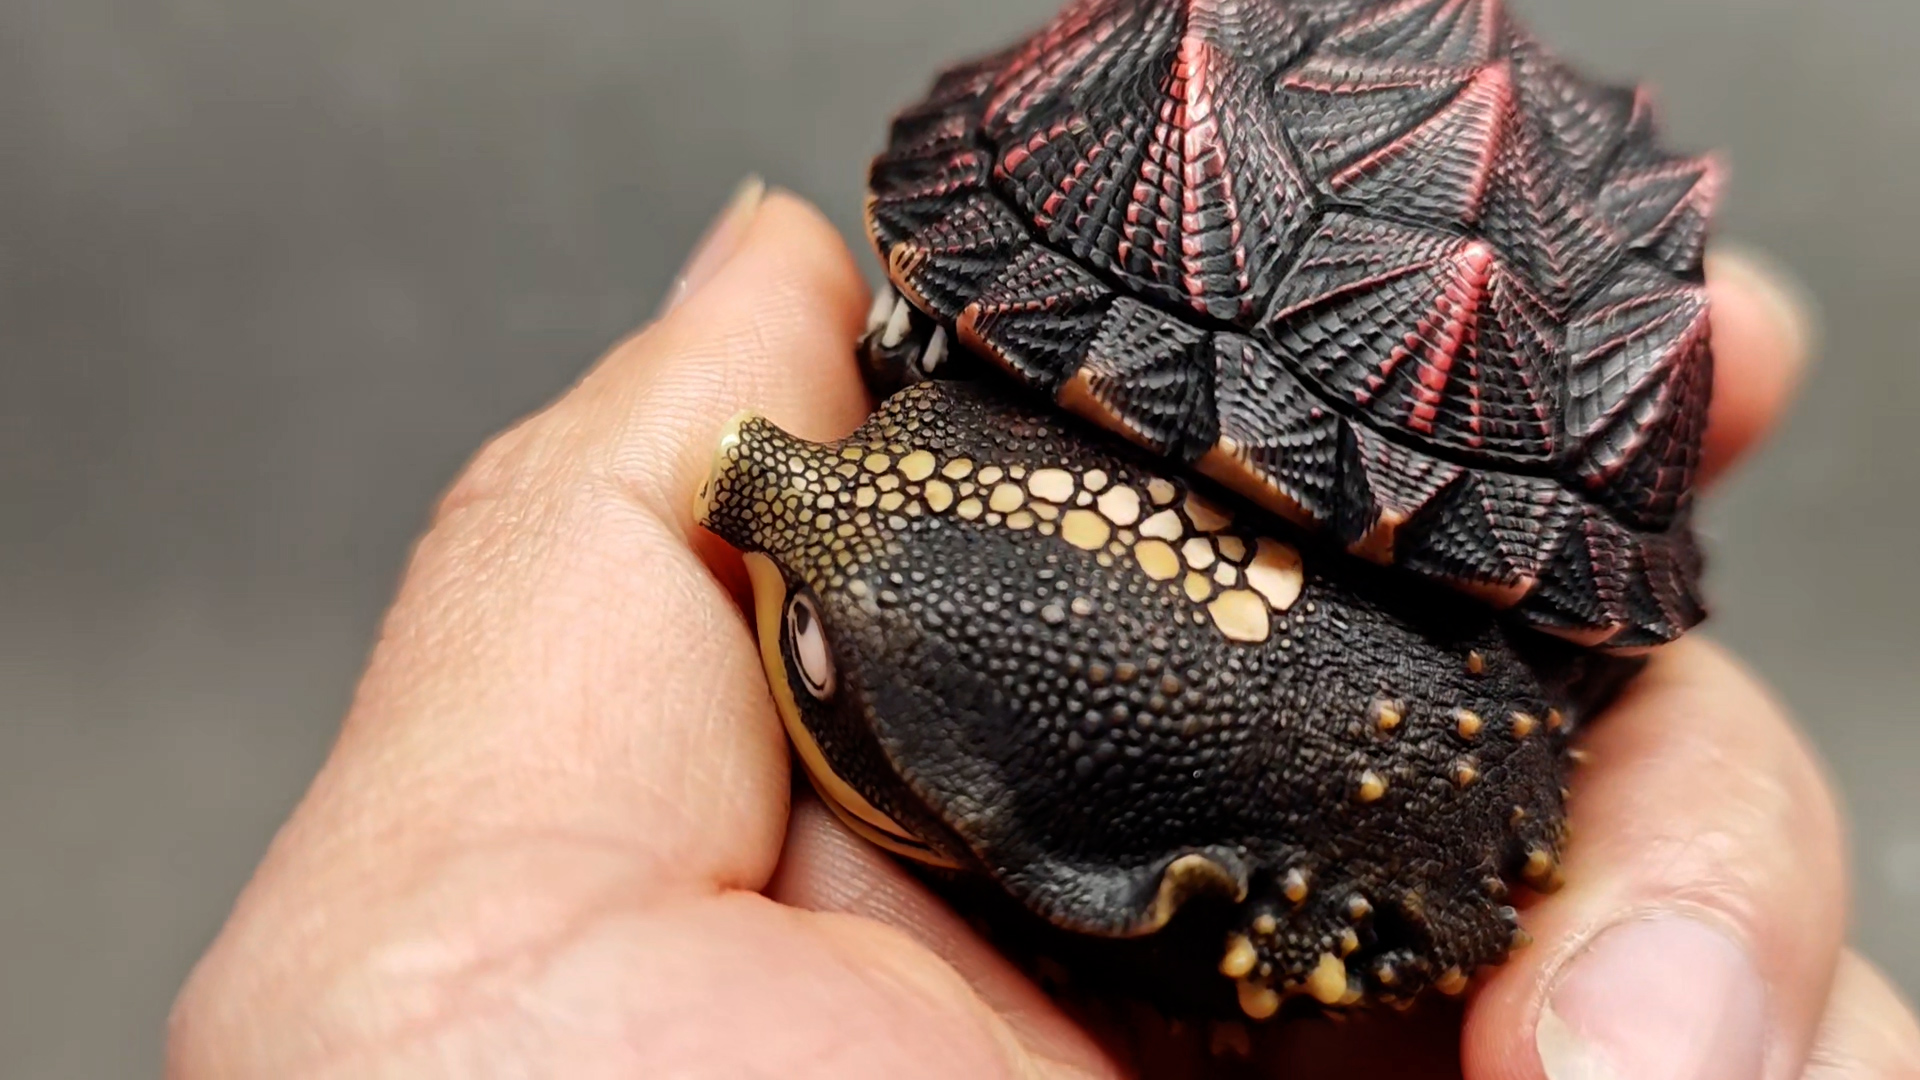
pixel 719 241
pixel 1789 306
pixel 1662 998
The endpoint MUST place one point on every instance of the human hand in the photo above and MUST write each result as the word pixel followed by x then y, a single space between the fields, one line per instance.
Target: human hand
pixel 554 837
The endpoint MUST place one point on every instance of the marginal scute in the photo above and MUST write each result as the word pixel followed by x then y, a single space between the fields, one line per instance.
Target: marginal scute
pixel 1389 484
pixel 1642 371
pixel 1586 579
pixel 1488 533
pixel 1280 445
pixel 1037 317
pixel 1143 377
pixel 946 264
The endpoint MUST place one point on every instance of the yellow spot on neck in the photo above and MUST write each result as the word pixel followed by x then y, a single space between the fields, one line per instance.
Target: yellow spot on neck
pixel 876 463
pixel 1161 492
pixel 1121 505
pixel 957 469
pixel 917 466
pixel 1205 515
pixel 1198 587
pixel 1165 525
pixel 1241 616
pixel 1276 573
pixel 1198 552
pixel 1006 498
pixel 1053 485
pixel 939 496
pixel 1085 529
pixel 970 509
pixel 1095 480
pixel 1156 560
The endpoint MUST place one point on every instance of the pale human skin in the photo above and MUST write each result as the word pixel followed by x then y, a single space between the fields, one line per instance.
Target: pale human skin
pixel 555 836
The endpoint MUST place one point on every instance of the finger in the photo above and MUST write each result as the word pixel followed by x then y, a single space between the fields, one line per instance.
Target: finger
pixel 1869 1032
pixel 826 868
pixel 1763 336
pixel 558 666
pixel 1705 905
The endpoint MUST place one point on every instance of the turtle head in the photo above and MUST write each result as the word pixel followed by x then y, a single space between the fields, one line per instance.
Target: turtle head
pixel 958 601
pixel 815 524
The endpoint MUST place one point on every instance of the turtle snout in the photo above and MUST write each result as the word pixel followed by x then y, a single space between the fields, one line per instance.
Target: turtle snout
pixel 758 485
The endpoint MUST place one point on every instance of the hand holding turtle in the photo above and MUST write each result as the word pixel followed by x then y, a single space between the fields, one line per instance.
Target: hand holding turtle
pixel 554 837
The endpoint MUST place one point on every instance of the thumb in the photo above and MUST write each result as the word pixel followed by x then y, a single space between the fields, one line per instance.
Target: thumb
pixel 558 666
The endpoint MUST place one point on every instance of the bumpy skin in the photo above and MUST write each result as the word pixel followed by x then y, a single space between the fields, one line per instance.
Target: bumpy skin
pixel 1385 267
pixel 1054 665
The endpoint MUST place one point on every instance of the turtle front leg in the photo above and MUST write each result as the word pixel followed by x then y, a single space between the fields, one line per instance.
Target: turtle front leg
pixel 1358 939
pixel 902 346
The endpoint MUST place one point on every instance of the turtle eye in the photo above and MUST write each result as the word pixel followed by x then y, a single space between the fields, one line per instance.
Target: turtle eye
pixel 807 644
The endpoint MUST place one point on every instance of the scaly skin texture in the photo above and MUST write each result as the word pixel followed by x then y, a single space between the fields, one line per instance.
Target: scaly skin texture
pixel 1387 268
pixel 1053 665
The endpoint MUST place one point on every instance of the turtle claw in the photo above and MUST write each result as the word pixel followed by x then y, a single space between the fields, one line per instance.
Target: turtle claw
pixel 1339 949
pixel 901 346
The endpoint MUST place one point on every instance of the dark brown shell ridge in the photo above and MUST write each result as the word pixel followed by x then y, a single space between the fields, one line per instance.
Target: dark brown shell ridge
pixel 1385 267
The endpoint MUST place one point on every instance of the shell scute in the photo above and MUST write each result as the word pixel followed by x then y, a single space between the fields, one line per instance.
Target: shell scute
pixel 1038 318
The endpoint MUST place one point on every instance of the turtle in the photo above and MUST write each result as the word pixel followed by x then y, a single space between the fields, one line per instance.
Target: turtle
pixel 1291 412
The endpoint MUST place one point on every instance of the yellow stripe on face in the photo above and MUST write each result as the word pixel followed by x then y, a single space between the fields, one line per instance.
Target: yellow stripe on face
pixel 769 607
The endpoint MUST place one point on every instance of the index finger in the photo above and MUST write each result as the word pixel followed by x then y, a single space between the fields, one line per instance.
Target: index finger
pixel 1763 339
pixel 559 662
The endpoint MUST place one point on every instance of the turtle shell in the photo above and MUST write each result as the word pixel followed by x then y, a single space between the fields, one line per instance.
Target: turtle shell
pixel 1387 268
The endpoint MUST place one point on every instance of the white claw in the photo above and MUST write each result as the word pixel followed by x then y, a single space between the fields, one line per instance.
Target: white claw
pixel 882 307
pixel 898 324
pixel 936 353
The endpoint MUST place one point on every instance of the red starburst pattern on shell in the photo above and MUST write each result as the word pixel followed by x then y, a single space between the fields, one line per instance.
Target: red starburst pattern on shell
pixel 1386 266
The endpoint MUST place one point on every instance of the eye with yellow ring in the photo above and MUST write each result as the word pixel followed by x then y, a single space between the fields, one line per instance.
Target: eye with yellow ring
pixel 807 645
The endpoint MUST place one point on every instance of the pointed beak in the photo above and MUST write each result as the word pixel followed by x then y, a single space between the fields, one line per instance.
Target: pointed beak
pixel 761 484
pixel 724 467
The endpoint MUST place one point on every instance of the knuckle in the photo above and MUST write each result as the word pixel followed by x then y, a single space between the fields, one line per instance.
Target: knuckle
pixel 508 465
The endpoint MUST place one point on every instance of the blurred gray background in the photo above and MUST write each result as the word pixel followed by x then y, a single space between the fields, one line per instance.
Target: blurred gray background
pixel 270 270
